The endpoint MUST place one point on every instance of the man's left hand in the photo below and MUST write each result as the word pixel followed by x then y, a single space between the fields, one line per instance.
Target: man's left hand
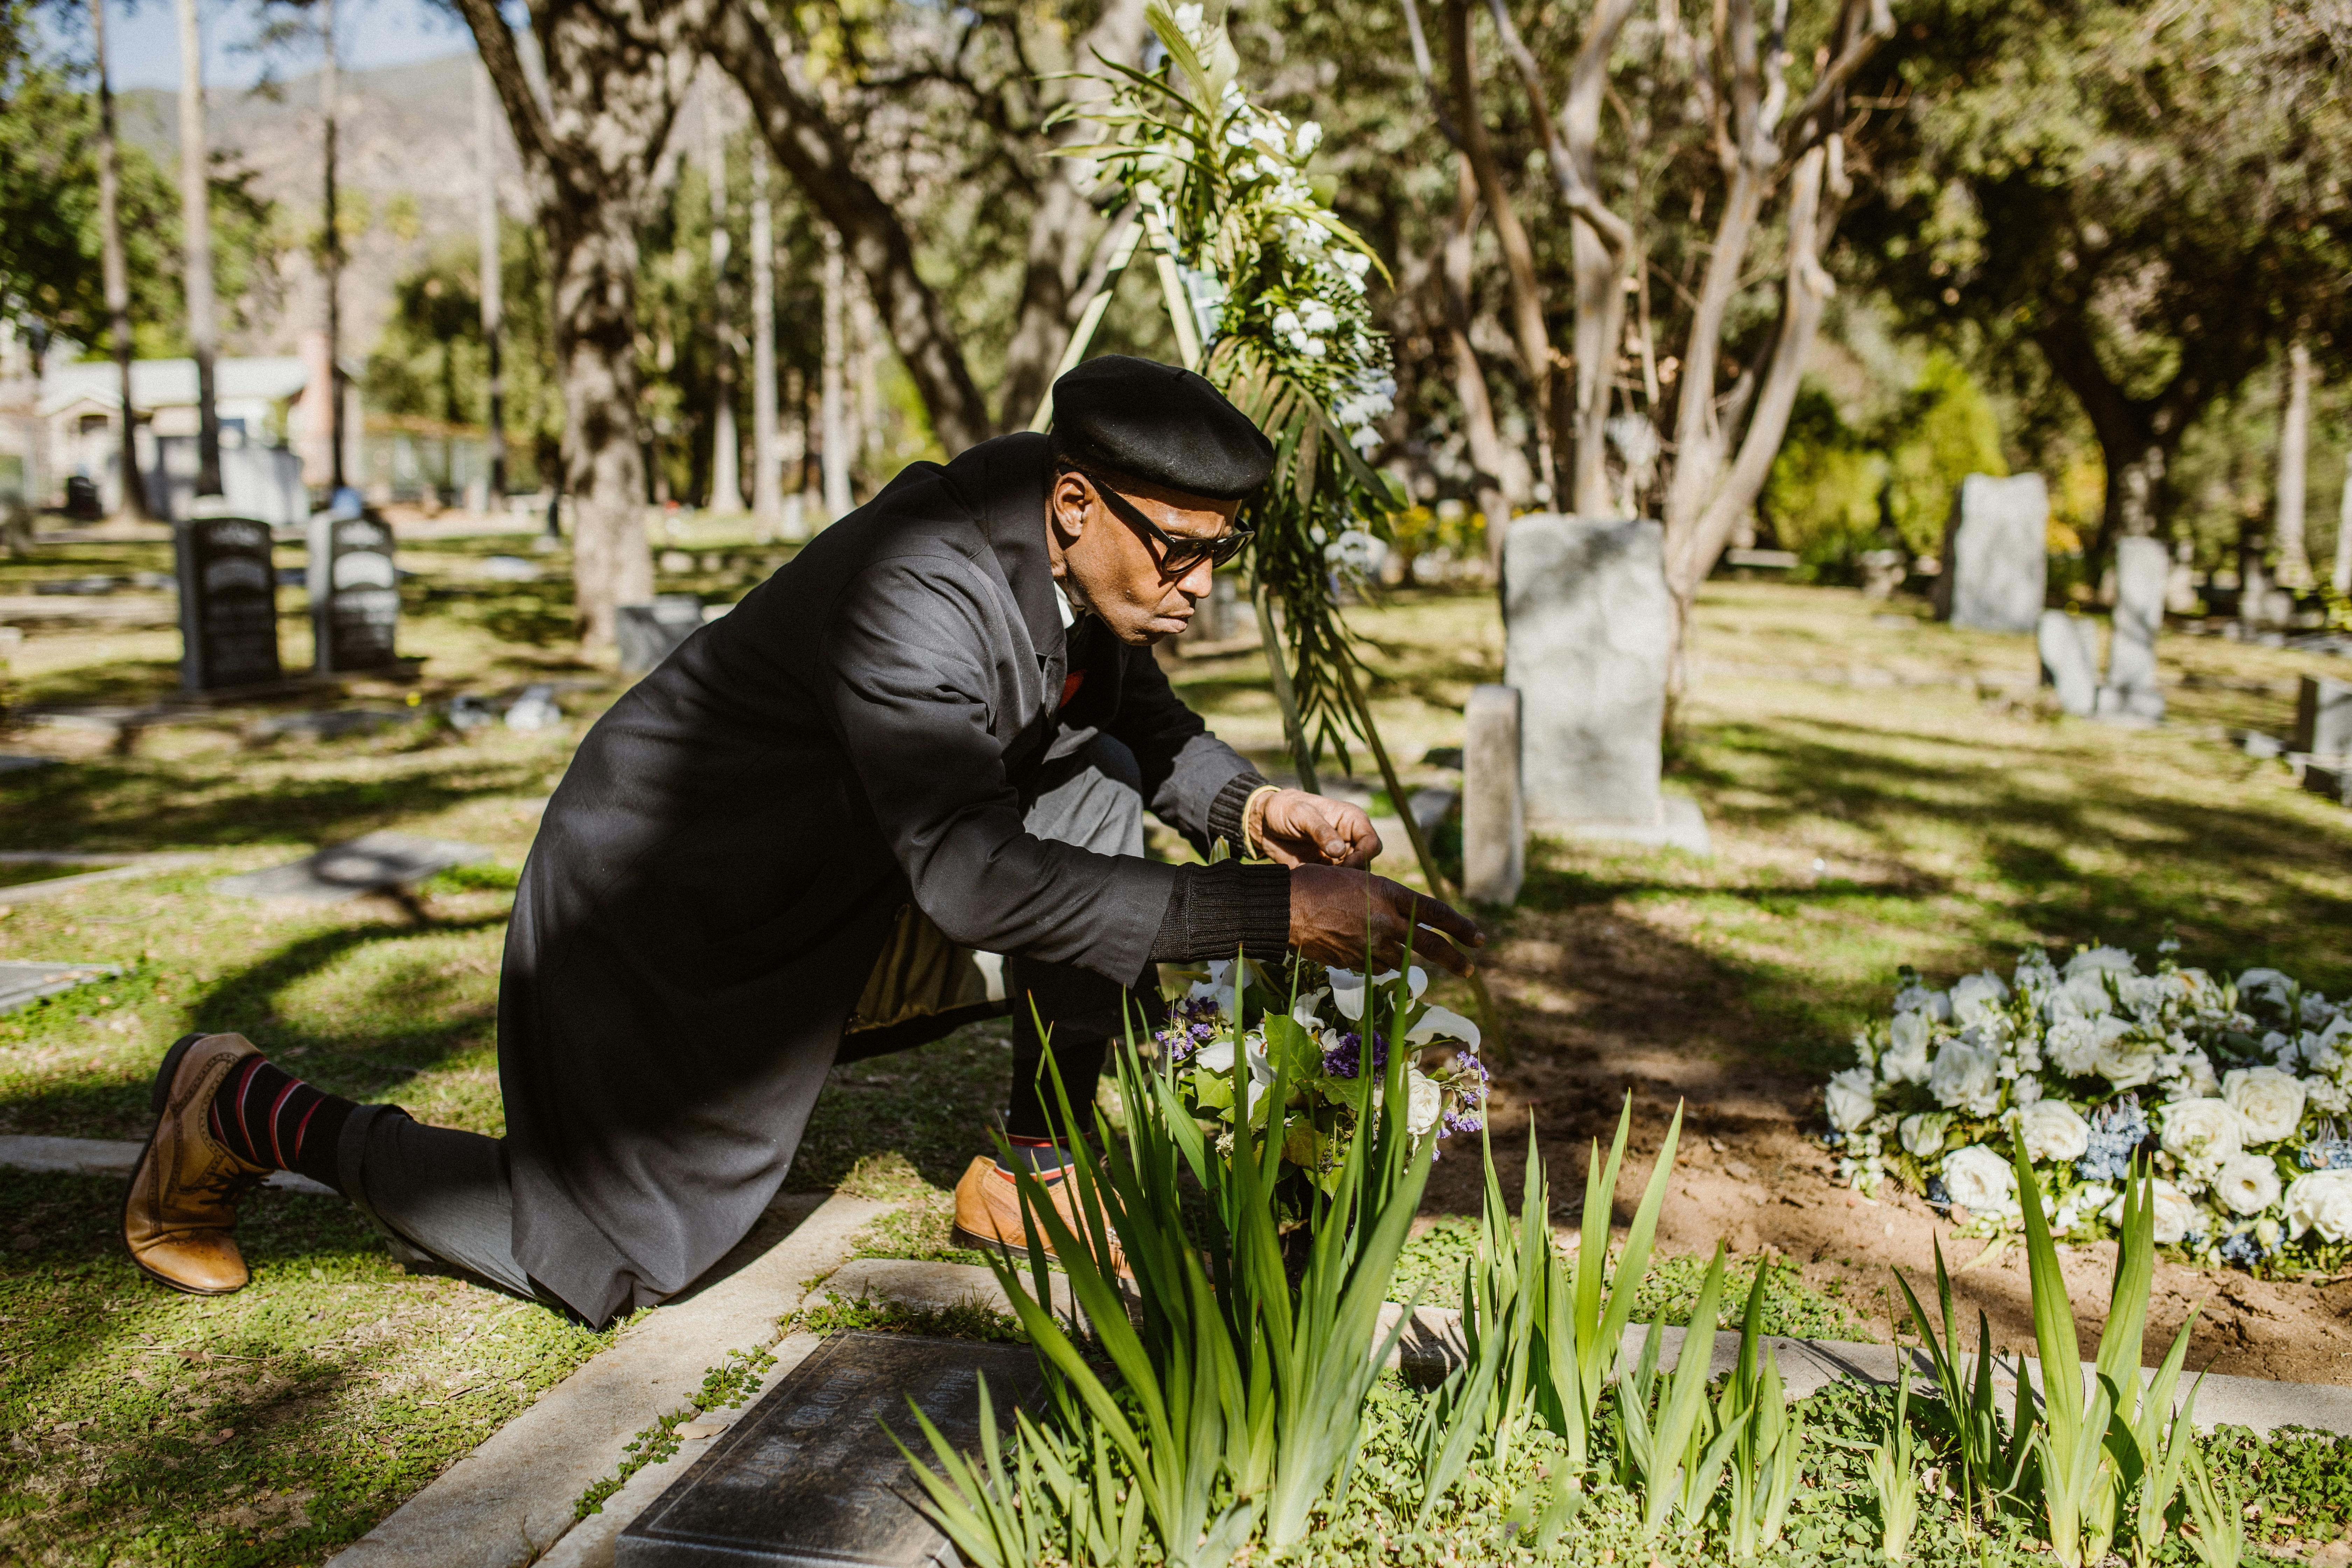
pixel 1301 829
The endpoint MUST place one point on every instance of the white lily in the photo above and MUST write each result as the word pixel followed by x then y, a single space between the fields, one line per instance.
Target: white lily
pixel 1304 1010
pixel 1444 1023
pixel 1348 988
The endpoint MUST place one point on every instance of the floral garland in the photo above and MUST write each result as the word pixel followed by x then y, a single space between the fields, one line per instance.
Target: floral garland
pixel 2232 1087
pixel 1276 284
pixel 1310 1031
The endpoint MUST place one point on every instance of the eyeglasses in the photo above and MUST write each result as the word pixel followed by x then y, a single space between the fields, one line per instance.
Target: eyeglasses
pixel 1177 556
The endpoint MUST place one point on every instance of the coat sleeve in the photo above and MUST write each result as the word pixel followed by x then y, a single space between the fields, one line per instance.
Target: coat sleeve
pixel 1192 780
pixel 918 652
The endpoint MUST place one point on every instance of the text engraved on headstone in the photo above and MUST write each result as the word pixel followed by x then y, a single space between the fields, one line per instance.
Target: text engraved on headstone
pixel 809 1475
pixel 354 594
pixel 228 604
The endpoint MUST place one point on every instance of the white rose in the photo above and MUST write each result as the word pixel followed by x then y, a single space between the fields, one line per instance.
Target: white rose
pixel 1906 1060
pixel 1977 997
pixel 1923 1133
pixel 1925 999
pixel 2267 983
pixel 2248 1184
pixel 1444 1023
pixel 1966 1078
pixel 2173 1212
pixel 2203 1134
pixel 2125 1062
pixel 2083 995
pixel 1981 1180
pixel 2270 1100
pixel 2053 1130
pixel 2321 1201
pixel 1848 1099
pixel 1423 1102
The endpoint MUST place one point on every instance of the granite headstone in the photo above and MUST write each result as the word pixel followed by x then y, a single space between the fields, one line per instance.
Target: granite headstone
pixel 2323 717
pixel 2142 566
pixel 354 590
pixel 1588 630
pixel 1996 565
pixel 228 604
pixel 2070 659
pixel 810 1475
pixel 1493 812
pixel 648 634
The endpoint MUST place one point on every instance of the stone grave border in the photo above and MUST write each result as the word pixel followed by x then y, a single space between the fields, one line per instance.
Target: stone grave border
pixel 118 868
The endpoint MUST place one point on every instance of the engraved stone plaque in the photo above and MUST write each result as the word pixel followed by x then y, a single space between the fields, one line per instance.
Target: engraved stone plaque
pixel 808 1476
pixel 354 592
pixel 228 604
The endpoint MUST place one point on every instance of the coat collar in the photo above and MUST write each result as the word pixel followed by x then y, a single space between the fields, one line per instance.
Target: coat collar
pixel 1004 482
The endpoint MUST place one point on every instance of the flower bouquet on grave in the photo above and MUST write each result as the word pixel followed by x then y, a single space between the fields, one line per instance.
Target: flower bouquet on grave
pixel 1325 1032
pixel 2231 1088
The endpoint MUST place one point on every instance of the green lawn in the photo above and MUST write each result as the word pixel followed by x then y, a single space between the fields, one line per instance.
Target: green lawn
pixel 1858 828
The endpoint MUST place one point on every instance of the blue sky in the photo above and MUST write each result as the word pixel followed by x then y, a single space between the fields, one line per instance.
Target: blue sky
pixel 143 40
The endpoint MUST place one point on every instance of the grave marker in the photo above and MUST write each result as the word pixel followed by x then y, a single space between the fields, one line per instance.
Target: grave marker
pixel 368 864
pixel 2070 661
pixel 354 590
pixel 809 1476
pixel 648 634
pixel 228 604
pixel 2142 567
pixel 2323 717
pixel 1493 812
pixel 1996 565
pixel 1588 631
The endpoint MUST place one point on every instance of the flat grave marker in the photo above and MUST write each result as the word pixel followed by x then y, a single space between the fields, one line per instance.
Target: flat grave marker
pixel 22 985
pixel 808 1476
pixel 369 863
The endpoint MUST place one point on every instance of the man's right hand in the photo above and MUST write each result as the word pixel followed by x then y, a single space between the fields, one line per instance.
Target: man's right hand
pixel 1352 919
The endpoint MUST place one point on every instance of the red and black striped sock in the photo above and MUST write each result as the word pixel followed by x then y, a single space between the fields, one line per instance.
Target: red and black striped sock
pixel 269 1117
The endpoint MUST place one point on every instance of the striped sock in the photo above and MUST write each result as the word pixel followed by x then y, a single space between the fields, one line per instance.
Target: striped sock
pixel 268 1117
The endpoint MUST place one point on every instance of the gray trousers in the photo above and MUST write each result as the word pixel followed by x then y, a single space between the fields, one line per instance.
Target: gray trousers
pixel 445 1196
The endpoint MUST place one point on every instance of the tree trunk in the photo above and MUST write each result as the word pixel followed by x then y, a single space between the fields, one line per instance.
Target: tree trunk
pixel 493 291
pixel 1062 228
pixel 2342 576
pixel 726 455
pixel 616 71
pixel 767 472
pixel 1487 460
pixel 834 396
pixel 196 243
pixel 2294 450
pixel 811 149
pixel 132 503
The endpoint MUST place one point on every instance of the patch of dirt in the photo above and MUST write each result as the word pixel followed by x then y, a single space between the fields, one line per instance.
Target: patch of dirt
pixel 1601 1000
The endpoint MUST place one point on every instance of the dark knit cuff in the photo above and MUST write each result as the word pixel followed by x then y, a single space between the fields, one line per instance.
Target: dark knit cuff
pixel 1217 910
pixel 1225 811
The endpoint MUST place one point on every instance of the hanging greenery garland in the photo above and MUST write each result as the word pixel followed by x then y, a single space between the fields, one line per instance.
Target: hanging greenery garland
pixel 1273 310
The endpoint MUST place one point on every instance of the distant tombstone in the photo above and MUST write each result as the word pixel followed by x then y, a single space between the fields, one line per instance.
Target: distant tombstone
pixel 648 634
pixel 1589 627
pixel 2142 567
pixel 2070 661
pixel 1883 572
pixel 2323 717
pixel 228 604
pixel 1996 564
pixel 2335 782
pixel 354 589
pixel 1494 811
pixel 809 1475
pixel 1215 617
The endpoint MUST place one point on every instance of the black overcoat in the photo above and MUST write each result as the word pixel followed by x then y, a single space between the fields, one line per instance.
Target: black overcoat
pixel 724 860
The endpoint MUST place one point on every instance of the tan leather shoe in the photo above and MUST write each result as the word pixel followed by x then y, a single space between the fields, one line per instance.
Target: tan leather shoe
pixel 184 1189
pixel 988 1213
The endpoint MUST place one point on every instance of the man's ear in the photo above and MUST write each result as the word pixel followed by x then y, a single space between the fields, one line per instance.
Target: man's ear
pixel 1066 505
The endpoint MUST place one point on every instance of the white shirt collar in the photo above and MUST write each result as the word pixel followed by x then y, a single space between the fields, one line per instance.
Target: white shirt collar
pixel 1062 602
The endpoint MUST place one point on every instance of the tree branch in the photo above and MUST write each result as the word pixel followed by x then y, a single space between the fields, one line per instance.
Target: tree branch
pixel 1868 24
pixel 496 43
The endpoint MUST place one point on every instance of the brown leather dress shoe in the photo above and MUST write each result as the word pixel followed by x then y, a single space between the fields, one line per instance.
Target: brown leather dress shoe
pixel 184 1189
pixel 988 1213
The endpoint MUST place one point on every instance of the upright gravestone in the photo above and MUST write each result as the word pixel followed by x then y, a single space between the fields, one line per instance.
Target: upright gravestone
pixel 228 604
pixel 1589 627
pixel 354 589
pixel 1996 566
pixel 648 634
pixel 2142 568
pixel 2323 717
pixel 810 1475
pixel 1493 812
pixel 2070 661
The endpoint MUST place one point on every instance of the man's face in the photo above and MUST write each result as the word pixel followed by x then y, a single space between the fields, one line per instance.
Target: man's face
pixel 1116 570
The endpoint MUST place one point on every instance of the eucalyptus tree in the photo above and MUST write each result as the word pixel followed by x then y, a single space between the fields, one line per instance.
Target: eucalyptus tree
pixel 2151 197
pixel 616 74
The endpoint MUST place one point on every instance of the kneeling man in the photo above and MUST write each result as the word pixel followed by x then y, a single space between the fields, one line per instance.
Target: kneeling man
pixel 938 728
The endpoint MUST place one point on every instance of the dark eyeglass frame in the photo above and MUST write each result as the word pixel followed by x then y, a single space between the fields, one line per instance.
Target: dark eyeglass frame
pixel 1177 556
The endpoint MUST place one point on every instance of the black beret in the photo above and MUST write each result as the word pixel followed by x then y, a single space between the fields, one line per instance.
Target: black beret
pixel 1160 423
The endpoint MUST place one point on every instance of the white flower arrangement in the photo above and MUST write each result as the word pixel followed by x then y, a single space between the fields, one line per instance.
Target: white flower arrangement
pixel 2231 1089
pixel 1310 1031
